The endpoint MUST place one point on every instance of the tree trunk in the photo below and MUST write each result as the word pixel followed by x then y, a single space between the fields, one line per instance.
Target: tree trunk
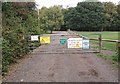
pixel 102 29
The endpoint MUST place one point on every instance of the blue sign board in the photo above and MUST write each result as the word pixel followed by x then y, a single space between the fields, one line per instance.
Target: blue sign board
pixel 85 44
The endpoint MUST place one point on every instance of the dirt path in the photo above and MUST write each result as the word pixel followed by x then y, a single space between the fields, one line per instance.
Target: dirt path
pixel 45 65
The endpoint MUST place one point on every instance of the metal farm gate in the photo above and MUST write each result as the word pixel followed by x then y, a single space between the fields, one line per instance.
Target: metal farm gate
pixel 69 44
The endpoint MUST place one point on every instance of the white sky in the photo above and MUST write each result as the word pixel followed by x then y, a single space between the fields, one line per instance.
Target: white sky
pixel 71 3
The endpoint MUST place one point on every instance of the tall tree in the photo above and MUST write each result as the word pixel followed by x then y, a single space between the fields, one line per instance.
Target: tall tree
pixel 111 14
pixel 92 15
pixel 117 19
pixel 51 18
pixel 86 16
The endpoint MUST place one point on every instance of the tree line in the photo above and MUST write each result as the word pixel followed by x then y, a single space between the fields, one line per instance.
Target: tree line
pixel 92 16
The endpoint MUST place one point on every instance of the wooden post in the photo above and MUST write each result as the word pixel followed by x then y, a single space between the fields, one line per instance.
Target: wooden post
pixel 117 45
pixel 119 52
pixel 100 43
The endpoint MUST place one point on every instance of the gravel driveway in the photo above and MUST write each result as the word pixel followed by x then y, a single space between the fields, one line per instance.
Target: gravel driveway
pixel 55 63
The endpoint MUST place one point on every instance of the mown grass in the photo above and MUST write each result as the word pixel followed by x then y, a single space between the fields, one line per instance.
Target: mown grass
pixel 105 35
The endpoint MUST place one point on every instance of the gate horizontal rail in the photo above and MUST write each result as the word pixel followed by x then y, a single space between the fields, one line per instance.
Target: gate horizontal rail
pixel 70 52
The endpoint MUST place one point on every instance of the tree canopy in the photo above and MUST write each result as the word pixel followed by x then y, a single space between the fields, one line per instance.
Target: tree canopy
pixel 52 17
pixel 92 16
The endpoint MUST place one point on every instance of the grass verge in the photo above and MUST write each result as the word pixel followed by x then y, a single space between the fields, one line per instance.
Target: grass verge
pixel 113 59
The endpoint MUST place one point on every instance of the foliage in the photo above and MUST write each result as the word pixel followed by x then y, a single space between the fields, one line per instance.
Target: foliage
pixel 19 19
pixel 111 15
pixel 51 18
pixel 92 16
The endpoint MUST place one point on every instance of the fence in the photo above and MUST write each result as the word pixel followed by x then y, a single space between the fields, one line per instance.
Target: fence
pixel 107 40
pixel 100 40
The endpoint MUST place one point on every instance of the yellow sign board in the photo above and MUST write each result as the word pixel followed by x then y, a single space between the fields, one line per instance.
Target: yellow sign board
pixel 45 40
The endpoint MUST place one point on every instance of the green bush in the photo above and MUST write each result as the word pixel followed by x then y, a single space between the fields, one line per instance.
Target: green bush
pixel 18 20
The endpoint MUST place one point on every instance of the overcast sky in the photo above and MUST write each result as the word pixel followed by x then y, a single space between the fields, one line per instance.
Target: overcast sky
pixel 65 3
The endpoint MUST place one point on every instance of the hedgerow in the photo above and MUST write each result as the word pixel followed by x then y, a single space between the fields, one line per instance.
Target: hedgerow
pixel 19 21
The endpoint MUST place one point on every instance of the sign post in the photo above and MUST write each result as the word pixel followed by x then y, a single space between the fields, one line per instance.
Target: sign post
pixel 118 51
pixel 100 42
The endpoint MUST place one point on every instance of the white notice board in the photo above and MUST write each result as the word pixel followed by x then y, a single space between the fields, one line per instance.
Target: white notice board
pixel 74 42
pixel 34 38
